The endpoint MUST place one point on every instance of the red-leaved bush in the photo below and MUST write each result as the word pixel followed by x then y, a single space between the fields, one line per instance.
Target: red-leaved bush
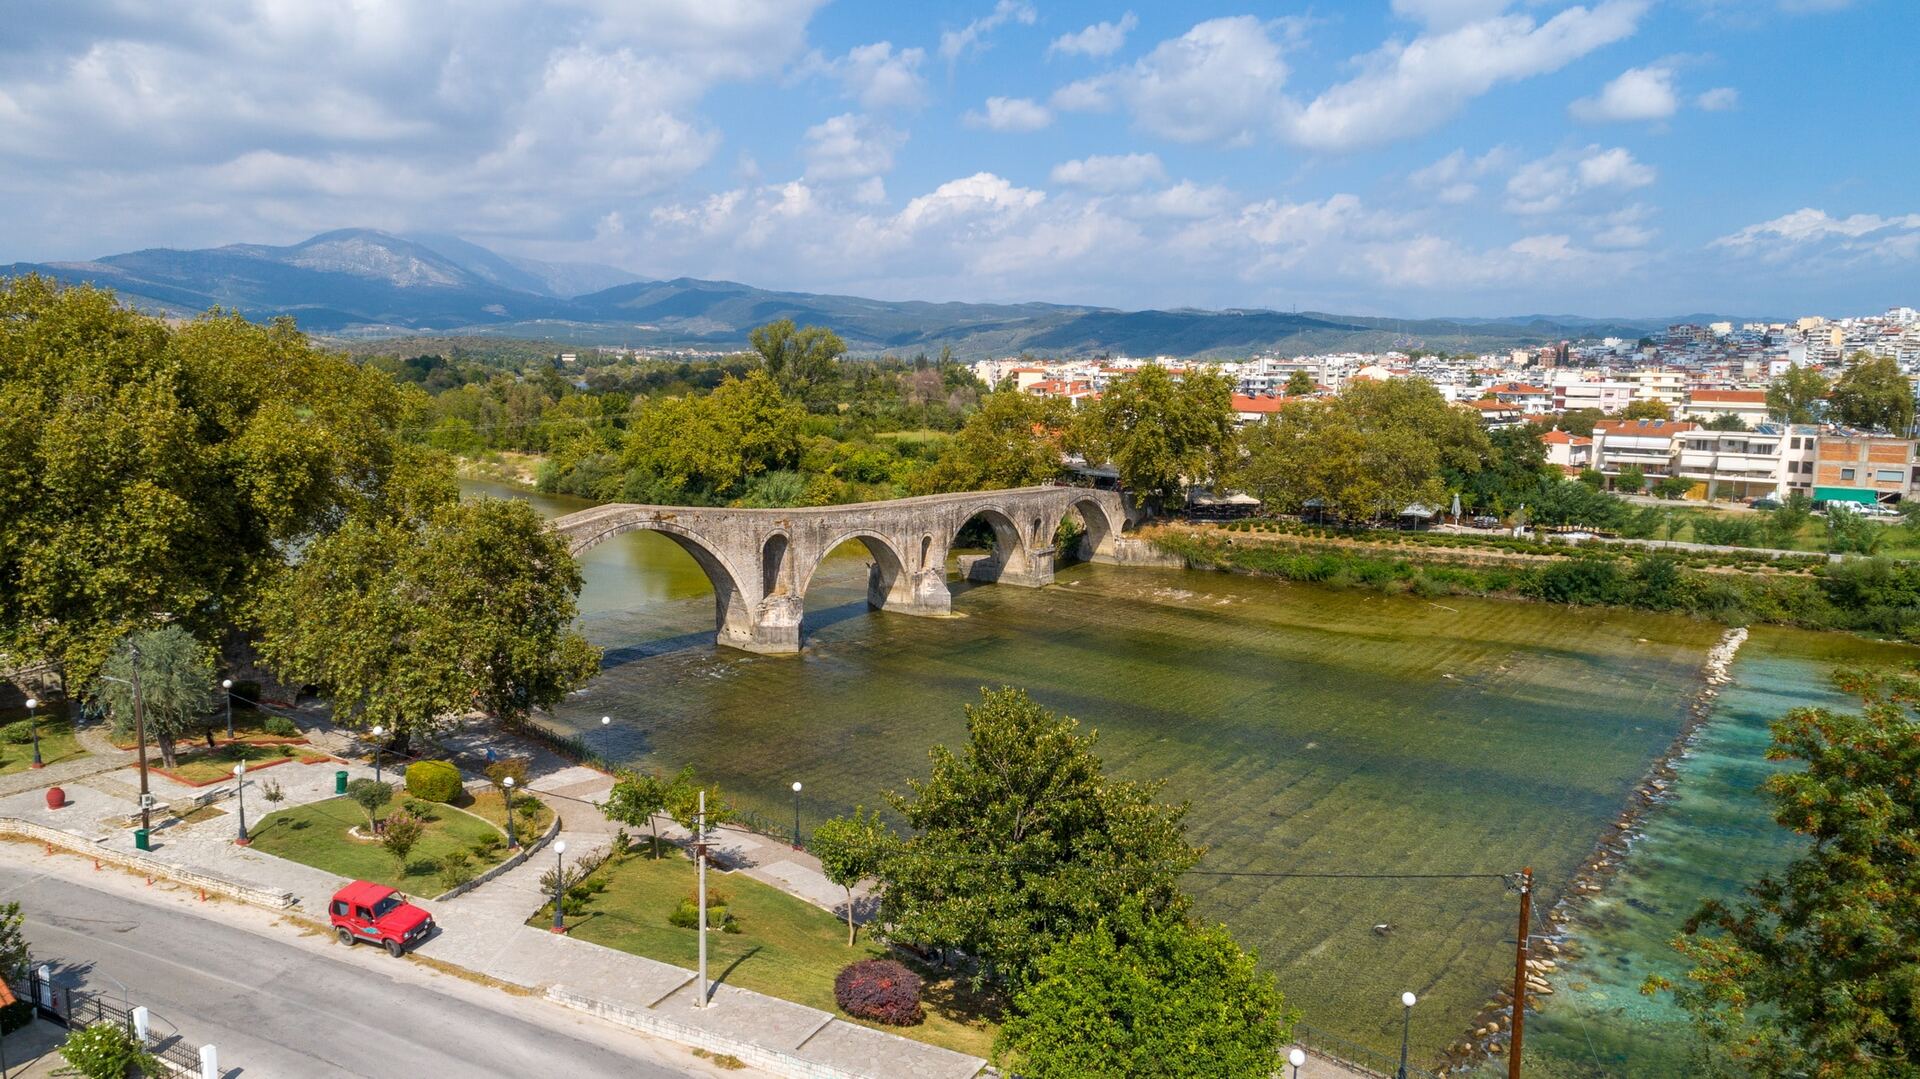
pixel 881 990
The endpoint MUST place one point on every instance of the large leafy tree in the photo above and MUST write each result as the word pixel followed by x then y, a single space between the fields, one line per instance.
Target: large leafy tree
pixel 408 620
pixel 151 472
pixel 638 799
pixel 1817 970
pixel 1147 995
pixel 1020 840
pixel 799 359
pixel 176 685
pixel 1873 394
pixel 1798 395
pixel 850 850
pixel 1160 432
pixel 1011 441
pixel 708 447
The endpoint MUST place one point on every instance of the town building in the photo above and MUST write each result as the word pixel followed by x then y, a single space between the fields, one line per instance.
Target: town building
pixel 1705 406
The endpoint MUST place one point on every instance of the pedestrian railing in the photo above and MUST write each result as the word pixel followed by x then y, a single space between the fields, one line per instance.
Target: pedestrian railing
pixel 1353 1053
pixel 77 1009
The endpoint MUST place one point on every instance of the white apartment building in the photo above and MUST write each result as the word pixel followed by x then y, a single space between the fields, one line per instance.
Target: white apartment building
pixel 1765 462
pixel 1606 395
pixel 1663 384
pixel 1705 405
pixel 1647 445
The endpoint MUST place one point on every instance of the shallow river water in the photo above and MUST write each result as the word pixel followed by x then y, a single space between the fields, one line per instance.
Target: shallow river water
pixel 1314 731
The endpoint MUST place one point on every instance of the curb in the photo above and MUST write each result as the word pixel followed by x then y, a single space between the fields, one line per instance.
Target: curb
pixel 152 867
pixel 526 851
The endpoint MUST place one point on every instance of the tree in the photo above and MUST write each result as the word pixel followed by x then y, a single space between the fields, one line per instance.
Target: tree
pixel 702 448
pixel 14 955
pixel 1783 523
pixel 1874 395
pixel 1158 432
pixel 683 801
pixel 406 621
pixel 370 795
pixel 1671 487
pixel 1646 410
pixel 1020 840
pixel 1812 972
pixel 1300 384
pixel 107 1050
pixel 638 799
pixel 851 849
pixel 1726 421
pixel 799 359
pixel 151 472
pixel 399 834
pixel 1580 421
pixel 1593 478
pixel 1012 440
pixel 1146 994
pixel 176 685
pixel 1631 478
pixel 1798 395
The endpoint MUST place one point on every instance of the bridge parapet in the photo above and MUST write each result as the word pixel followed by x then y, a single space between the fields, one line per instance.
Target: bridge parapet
pixel 760 561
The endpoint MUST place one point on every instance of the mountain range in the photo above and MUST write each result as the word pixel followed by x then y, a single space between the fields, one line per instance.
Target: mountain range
pixel 363 283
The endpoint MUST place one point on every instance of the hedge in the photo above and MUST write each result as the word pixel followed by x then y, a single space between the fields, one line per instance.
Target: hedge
pixel 435 781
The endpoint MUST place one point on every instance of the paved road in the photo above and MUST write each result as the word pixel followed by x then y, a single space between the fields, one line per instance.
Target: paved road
pixel 279 1003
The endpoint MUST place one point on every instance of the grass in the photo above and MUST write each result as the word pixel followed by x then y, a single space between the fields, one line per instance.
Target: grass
pixel 57 743
pixel 317 834
pixel 1902 542
pixel 210 766
pixel 249 725
pixel 785 948
pixel 488 803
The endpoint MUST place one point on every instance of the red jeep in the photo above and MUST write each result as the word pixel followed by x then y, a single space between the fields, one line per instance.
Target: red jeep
pixel 374 912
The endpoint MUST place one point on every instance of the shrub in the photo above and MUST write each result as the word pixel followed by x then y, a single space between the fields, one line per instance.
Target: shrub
pixel 880 990
pixel 281 727
pixel 456 868
pixel 435 781
pixel 687 914
pixel 516 767
pixel 16 1015
pixel 107 1051
pixel 18 734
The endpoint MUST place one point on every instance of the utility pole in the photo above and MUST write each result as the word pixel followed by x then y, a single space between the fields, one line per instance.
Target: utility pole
pixel 700 851
pixel 1520 972
pixel 140 740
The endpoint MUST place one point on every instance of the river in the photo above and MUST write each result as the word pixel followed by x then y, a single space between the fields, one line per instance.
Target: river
pixel 1314 731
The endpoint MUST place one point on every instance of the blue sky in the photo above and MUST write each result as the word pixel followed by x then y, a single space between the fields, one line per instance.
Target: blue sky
pixel 1413 157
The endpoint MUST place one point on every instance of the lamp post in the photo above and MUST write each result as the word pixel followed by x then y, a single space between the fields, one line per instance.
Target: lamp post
pixel 506 787
pixel 378 732
pixel 240 795
pixel 796 814
pixel 1297 1058
pixel 140 740
pixel 559 887
pixel 226 686
pixel 33 723
pixel 1407 1001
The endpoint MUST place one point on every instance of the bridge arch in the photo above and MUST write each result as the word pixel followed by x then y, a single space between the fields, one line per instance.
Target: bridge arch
pixel 1013 558
pixel 733 612
pixel 1099 529
pixel 889 575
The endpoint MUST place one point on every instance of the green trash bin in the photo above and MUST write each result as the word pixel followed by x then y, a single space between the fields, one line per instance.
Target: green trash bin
pixel 140 839
pixel 340 781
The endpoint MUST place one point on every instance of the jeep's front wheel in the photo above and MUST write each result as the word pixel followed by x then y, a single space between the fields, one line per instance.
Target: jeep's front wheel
pixel 344 934
pixel 395 949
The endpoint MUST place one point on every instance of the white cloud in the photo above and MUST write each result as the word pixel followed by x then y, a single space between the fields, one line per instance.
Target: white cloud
pixel 956 43
pixel 1638 93
pixel 1550 183
pixel 1218 82
pixel 1626 228
pixel 850 147
pixel 1010 114
pixel 877 76
pixel 1100 39
pixel 1185 199
pixel 1808 225
pixel 1719 99
pixel 1407 88
pixel 1447 14
pixel 1453 178
pixel 1122 172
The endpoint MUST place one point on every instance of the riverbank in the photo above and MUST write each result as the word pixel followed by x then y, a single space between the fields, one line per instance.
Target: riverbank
pixel 1865 595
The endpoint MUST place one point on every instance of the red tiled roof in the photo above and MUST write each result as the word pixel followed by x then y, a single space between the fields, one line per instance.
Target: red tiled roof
pixel 1641 427
pixel 1242 403
pixel 1557 437
pixel 1728 397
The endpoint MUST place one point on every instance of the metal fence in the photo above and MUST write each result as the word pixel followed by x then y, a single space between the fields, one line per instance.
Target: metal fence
pixel 77 1009
pixel 1354 1053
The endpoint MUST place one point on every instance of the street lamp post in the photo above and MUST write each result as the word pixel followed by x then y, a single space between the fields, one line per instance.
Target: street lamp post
pixel 506 787
pixel 378 732
pixel 559 887
pixel 1407 1001
pixel 140 740
pixel 796 814
pixel 226 686
pixel 33 723
pixel 1297 1058
pixel 240 796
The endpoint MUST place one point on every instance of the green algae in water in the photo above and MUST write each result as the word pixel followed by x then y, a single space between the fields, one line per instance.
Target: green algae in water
pixel 1314 731
pixel 1714 836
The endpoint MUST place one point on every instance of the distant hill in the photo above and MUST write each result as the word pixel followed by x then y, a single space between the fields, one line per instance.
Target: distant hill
pixel 364 283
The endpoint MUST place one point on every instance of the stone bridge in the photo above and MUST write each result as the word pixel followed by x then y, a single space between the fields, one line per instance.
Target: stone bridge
pixel 760 561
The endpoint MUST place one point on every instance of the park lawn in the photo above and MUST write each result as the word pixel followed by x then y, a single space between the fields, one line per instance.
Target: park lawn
pixel 1901 542
pixel 249 725
pixel 488 803
pixel 57 743
pixel 786 947
pixel 210 766
pixel 316 834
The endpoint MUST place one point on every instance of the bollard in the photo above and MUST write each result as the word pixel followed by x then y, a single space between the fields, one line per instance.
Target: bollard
pixel 209 1063
pixel 142 1019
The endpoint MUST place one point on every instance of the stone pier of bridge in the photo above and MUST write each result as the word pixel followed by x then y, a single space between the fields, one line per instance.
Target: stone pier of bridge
pixel 760 561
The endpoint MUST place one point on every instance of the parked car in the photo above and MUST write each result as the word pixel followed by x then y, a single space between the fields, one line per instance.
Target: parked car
pixel 1764 503
pixel 379 915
